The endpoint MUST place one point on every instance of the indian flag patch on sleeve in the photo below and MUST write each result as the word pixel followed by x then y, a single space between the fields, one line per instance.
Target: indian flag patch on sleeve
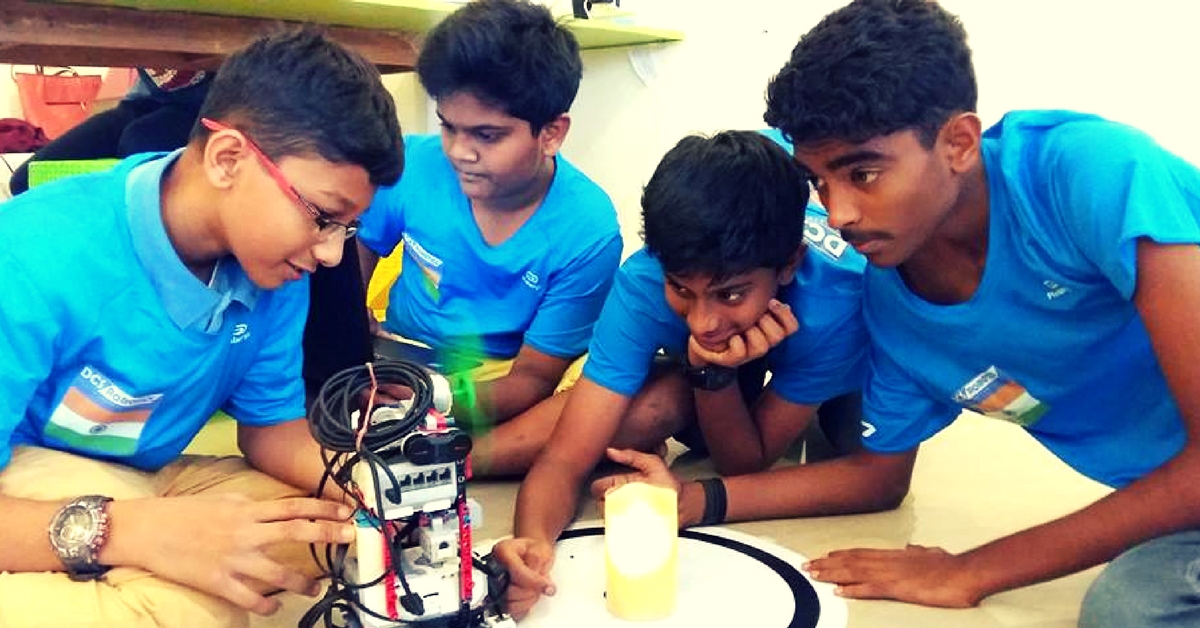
pixel 96 415
pixel 995 394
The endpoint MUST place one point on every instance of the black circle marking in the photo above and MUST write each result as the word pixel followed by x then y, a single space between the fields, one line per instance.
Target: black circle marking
pixel 807 606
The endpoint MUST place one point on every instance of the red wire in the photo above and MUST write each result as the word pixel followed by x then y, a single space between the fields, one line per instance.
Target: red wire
pixel 466 585
pixel 365 419
pixel 389 583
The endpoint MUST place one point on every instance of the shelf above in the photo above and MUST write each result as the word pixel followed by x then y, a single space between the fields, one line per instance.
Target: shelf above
pixel 413 17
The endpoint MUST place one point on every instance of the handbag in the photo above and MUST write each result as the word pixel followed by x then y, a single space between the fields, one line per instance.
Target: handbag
pixel 56 102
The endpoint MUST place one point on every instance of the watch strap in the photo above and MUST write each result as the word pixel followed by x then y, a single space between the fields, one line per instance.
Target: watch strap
pixel 710 376
pixel 80 558
pixel 715 502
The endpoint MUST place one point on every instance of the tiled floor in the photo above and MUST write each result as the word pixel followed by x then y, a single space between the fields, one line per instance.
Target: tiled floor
pixel 977 480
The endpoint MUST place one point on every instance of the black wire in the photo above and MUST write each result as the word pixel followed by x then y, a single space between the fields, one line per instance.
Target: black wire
pixel 330 419
pixel 334 428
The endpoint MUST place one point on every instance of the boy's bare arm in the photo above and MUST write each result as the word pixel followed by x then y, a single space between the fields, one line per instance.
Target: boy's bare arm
pixel 532 378
pixel 210 543
pixel 742 440
pixel 286 452
pixel 1165 501
pixel 547 499
pixel 26 544
pixel 856 483
pixel 746 439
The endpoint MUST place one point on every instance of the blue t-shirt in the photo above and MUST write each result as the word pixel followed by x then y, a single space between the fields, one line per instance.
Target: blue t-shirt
pixel 110 347
pixel 543 286
pixel 1051 339
pixel 826 357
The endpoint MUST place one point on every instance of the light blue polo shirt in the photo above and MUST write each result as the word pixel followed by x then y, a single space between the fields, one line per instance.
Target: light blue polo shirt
pixel 824 358
pixel 543 286
pixel 110 347
pixel 1051 340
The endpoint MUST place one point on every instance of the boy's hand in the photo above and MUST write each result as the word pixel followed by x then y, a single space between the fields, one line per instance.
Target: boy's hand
pixel 930 576
pixel 777 323
pixel 387 394
pixel 528 562
pixel 215 543
pixel 651 469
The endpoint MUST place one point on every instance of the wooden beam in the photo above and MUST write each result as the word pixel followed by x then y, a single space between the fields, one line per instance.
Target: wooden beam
pixel 74 34
pixel 35 54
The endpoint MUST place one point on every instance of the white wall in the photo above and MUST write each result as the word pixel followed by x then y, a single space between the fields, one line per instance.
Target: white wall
pixel 10 102
pixel 1131 62
pixel 411 102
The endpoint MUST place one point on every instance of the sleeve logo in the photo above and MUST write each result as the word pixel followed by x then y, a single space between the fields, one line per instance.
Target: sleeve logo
pixel 994 394
pixel 822 237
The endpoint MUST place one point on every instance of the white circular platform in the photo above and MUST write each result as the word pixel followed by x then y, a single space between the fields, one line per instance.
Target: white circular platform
pixel 726 578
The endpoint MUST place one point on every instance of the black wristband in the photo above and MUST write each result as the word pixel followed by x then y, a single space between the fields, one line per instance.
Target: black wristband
pixel 714 502
pixel 710 376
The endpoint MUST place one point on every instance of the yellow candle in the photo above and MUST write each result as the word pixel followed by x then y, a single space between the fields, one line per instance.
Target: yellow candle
pixel 641 538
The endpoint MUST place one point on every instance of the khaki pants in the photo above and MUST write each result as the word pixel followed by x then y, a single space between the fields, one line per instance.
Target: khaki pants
pixel 127 597
pixel 490 369
pixel 495 369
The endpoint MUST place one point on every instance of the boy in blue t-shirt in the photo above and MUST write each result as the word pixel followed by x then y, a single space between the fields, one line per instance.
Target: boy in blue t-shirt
pixel 1041 272
pixel 509 250
pixel 139 301
pixel 726 288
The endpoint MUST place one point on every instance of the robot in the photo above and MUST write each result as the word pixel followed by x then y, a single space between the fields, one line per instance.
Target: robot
pixel 412 563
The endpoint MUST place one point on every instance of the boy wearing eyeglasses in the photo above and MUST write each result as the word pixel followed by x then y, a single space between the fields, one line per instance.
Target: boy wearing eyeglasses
pixel 139 301
pixel 508 249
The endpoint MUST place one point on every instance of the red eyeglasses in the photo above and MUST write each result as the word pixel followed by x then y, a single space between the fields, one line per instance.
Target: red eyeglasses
pixel 326 223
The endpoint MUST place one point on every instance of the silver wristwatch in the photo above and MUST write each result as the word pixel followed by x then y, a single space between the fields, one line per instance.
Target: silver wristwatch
pixel 77 532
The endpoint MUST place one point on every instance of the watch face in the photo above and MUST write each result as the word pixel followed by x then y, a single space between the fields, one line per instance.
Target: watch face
pixel 77 532
pixel 76 527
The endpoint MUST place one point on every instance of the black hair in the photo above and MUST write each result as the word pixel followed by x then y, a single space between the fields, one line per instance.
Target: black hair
pixel 295 92
pixel 873 68
pixel 724 205
pixel 510 54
